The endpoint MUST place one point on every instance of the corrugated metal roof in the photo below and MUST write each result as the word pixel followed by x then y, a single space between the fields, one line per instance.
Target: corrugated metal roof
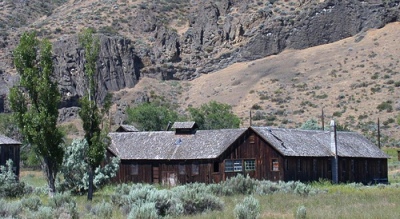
pixel 314 143
pixel 6 140
pixel 205 144
pixel 128 128
pixel 184 125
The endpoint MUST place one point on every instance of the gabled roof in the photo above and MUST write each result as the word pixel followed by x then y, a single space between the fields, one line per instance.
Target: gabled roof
pixel 127 128
pixel 6 140
pixel 205 144
pixel 315 143
pixel 184 125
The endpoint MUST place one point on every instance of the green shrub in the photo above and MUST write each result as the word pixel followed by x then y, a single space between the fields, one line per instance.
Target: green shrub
pixel 256 107
pixel 102 210
pixel 301 212
pixel 44 212
pixel 166 202
pixel 32 203
pixel 75 169
pixel 302 189
pixel 337 114
pixel 108 30
pixel 322 96
pixel 239 185
pixel 196 201
pixel 387 105
pixel 9 185
pixel 9 209
pixel 266 187
pixel 311 124
pixel 145 210
pixel 295 187
pixel 64 204
pixel 258 116
pixel 43 190
pixel 248 209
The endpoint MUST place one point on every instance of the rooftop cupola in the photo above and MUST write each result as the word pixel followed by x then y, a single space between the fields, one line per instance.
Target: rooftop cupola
pixel 182 128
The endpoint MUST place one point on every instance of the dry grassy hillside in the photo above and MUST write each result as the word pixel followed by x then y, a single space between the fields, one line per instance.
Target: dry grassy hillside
pixel 356 81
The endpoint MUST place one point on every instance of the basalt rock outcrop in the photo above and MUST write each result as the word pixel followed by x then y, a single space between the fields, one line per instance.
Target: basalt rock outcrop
pixel 219 33
pixel 118 67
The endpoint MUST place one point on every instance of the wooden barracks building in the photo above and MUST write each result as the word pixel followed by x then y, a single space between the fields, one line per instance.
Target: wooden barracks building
pixel 188 155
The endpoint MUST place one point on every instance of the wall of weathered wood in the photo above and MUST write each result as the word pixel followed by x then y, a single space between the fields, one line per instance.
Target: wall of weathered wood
pixel 10 152
pixel 363 170
pixel 251 146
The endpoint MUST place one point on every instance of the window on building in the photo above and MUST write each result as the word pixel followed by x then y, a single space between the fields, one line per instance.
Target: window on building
pixel 134 169
pixel 195 168
pixel 228 165
pixel 216 167
pixel 274 164
pixel 250 165
pixel 233 166
pixel 237 166
pixel 352 166
pixel 182 170
pixel 366 166
pixel 252 139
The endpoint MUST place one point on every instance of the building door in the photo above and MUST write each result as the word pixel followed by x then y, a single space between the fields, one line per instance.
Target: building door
pixel 169 178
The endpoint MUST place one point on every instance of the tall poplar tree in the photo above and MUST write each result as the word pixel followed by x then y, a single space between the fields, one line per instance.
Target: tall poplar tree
pixel 90 113
pixel 35 103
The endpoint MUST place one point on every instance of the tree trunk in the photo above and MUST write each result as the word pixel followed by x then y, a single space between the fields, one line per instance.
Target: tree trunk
pixel 90 191
pixel 50 175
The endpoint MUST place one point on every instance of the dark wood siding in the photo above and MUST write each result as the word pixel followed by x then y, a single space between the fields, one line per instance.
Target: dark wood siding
pixel 267 164
pixel 252 147
pixel 307 169
pixel 166 172
pixel 10 152
pixel 362 170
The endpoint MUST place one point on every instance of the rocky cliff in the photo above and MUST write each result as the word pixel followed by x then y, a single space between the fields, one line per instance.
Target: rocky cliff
pixel 217 34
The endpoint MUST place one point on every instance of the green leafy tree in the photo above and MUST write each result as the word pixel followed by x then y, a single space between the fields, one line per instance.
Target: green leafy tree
pixel 214 115
pixel 151 117
pixel 8 127
pixel 35 103
pixel 75 169
pixel 90 112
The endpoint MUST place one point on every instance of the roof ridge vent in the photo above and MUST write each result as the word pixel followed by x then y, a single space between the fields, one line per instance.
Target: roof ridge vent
pixel 185 127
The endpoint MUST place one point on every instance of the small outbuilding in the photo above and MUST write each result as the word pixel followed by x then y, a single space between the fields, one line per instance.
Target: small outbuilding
pixel 10 149
pixel 189 155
